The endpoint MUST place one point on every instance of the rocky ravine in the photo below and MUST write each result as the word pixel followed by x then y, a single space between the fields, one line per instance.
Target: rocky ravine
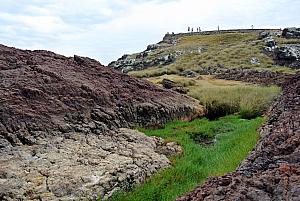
pixel 62 127
pixel 272 170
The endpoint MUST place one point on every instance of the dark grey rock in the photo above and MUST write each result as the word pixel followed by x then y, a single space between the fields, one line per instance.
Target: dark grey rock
pixel 270 42
pixel 288 55
pixel 263 34
pixel 189 73
pixel 292 32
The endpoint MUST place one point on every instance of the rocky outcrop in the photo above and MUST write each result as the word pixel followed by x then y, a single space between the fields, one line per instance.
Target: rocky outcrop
pixel 76 166
pixel 145 59
pixel 288 55
pixel 284 55
pixel 292 32
pixel 272 170
pixel 60 127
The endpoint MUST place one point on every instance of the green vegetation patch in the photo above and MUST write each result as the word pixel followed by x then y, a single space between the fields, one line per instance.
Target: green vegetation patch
pixel 233 139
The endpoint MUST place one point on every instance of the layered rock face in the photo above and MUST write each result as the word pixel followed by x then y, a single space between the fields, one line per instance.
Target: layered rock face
pixel 272 170
pixel 60 127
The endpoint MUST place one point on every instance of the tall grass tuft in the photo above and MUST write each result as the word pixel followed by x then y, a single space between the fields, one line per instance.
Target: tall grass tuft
pixel 249 101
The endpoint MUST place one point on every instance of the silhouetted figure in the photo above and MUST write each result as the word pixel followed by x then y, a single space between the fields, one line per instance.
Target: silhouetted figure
pixel 218 28
pixel 199 29
pixel 192 30
pixel 189 29
pixel 252 26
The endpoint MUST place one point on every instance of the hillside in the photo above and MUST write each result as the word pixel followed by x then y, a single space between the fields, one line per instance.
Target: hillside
pixel 263 50
pixel 62 127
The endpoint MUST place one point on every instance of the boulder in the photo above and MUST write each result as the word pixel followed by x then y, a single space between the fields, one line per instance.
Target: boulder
pixel 288 55
pixel 292 32
pixel 189 73
pixel 254 61
pixel 270 42
pixel 169 84
pixel 263 34
pixel 152 47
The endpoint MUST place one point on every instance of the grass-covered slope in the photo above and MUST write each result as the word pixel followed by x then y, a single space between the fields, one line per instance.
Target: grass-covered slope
pixel 193 52
pixel 210 148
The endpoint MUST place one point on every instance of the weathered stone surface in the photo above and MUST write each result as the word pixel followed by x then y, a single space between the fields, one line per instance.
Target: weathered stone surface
pixel 254 61
pixel 142 60
pixel 81 166
pixel 292 32
pixel 189 73
pixel 270 42
pixel 272 170
pixel 60 121
pixel 288 55
pixel 263 34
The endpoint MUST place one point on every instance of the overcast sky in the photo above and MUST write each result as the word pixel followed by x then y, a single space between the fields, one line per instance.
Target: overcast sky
pixel 107 29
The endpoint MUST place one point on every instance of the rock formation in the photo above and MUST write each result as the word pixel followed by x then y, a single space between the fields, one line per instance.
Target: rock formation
pixel 288 55
pixel 292 32
pixel 272 170
pixel 62 125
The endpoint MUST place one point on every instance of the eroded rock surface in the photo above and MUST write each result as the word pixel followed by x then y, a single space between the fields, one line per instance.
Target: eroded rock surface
pixel 291 32
pixel 60 126
pixel 288 55
pixel 272 170
pixel 75 166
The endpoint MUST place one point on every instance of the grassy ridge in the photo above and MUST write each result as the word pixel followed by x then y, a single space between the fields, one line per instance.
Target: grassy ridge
pixel 234 138
pixel 228 50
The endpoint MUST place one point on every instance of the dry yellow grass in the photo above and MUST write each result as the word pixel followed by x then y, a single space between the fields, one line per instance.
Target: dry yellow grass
pixel 221 97
pixel 229 50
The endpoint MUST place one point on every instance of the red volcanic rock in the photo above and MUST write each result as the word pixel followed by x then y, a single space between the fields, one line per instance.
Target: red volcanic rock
pixel 62 123
pixel 41 90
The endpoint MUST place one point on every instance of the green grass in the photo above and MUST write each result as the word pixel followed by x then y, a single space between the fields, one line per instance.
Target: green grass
pixel 235 138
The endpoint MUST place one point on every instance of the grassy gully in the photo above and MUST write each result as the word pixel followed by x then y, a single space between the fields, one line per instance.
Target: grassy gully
pixel 210 148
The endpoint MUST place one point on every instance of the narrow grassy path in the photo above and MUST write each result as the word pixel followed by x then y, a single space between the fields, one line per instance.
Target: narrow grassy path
pixel 234 138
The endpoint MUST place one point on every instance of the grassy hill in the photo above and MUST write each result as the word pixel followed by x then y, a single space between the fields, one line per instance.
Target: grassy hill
pixel 195 51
